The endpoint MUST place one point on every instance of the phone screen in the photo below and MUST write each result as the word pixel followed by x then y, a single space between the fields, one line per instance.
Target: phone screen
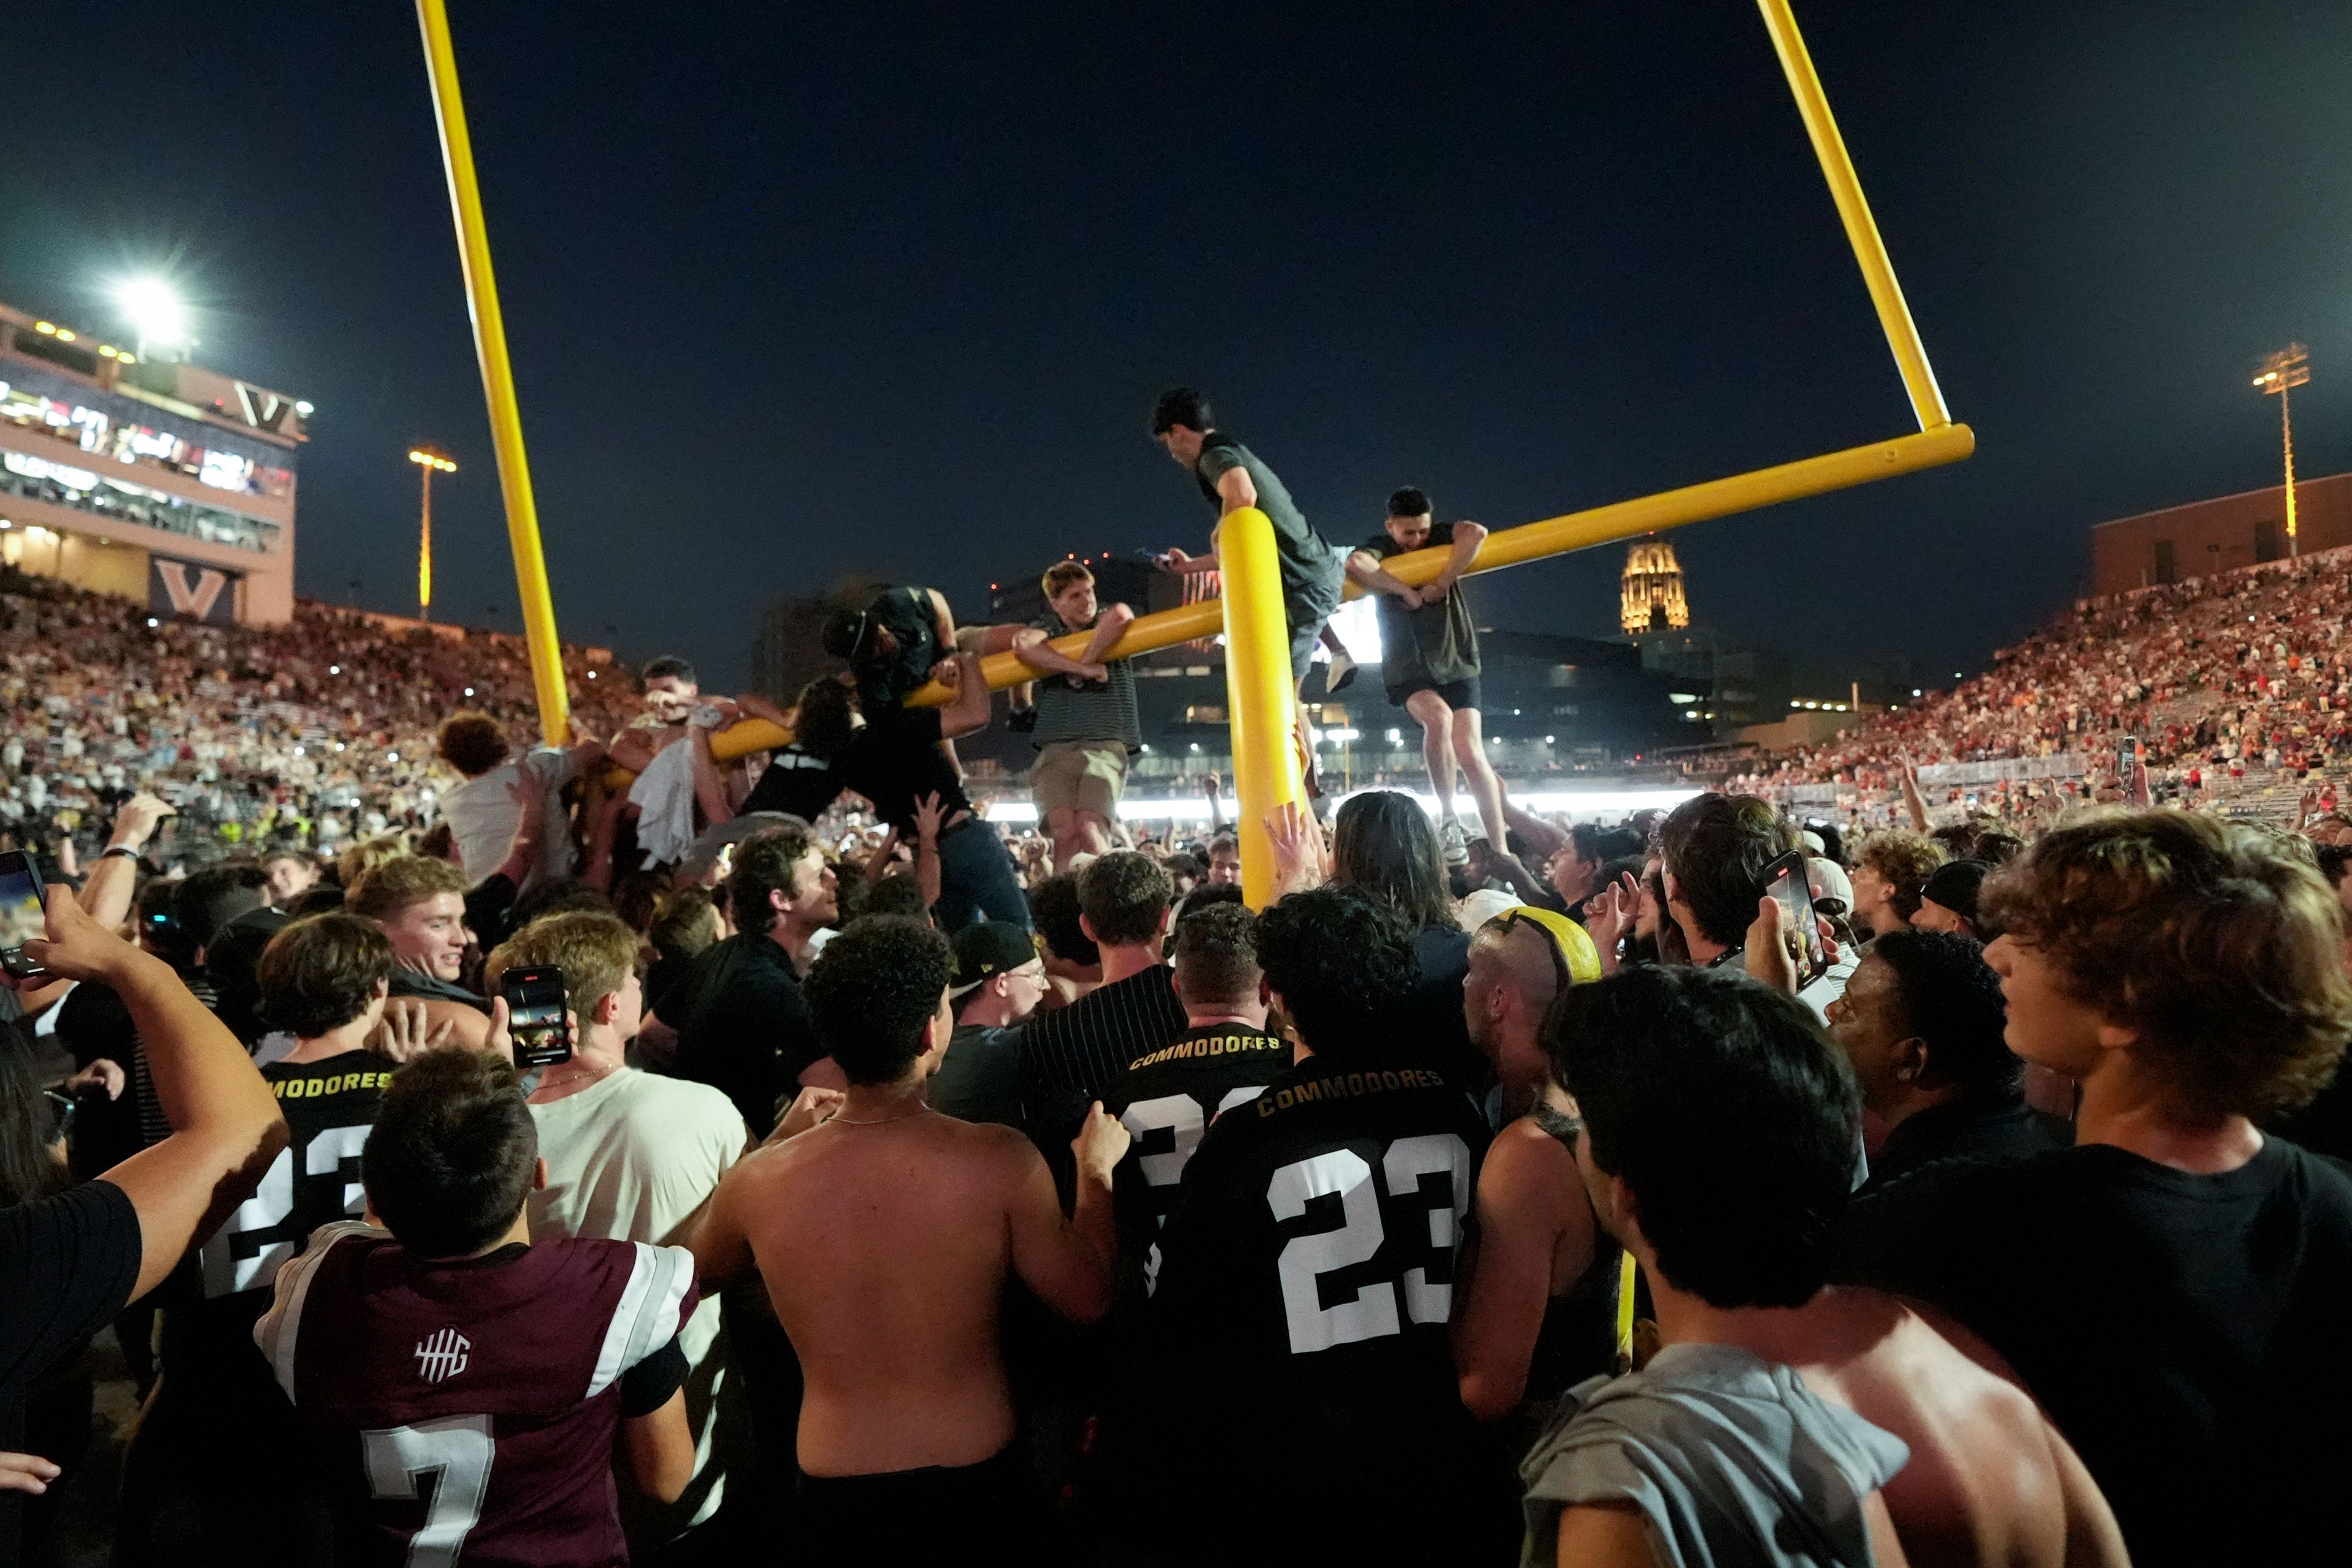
pixel 1787 884
pixel 22 914
pixel 535 1021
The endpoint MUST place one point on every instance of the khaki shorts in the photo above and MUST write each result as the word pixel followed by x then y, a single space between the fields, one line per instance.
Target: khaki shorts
pixel 1087 775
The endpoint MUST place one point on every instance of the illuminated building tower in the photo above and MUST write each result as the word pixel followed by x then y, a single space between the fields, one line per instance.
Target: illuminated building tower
pixel 1652 589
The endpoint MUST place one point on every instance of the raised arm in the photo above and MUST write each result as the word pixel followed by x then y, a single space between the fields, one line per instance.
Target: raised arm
pixel 1069 1263
pixel 942 619
pixel 225 1128
pixel 1467 537
pixel 107 892
pixel 967 710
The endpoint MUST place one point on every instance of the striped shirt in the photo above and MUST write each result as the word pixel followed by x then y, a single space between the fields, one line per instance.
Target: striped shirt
pixel 1071 1056
pixel 1104 713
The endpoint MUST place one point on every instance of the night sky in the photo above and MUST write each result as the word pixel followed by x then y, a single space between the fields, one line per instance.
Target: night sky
pixel 794 291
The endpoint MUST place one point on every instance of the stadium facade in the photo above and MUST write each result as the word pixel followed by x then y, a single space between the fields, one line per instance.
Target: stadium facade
pixel 2205 536
pixel 164 482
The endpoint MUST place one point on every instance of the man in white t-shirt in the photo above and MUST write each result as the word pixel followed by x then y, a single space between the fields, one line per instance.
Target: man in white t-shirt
pixel 631 1157
pixel 484 812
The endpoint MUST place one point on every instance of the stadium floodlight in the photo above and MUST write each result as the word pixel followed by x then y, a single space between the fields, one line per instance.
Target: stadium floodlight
pixel 2290 367
pixel 155 312
pixel 432 462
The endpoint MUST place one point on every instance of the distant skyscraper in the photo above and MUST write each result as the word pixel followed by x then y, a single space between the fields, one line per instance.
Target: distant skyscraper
pixel 1652 589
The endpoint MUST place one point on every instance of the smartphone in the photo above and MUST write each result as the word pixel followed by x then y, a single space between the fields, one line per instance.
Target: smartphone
pixel 24 912
pixel 535 1016
pixel 1785 880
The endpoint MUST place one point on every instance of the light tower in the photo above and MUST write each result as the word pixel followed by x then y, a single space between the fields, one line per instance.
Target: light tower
pixel 432 462
pixel 2291 366
pixel 1650 591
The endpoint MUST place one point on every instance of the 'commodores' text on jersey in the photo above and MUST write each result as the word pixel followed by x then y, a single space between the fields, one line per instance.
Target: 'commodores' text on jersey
pixel 1168 1096
pixel 465 1410
pixel 1302 1287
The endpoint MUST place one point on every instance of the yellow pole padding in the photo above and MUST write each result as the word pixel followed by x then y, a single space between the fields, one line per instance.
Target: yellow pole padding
pixel 497 377
pixel 1259 696
pixel 1853 210
pixel 1504 547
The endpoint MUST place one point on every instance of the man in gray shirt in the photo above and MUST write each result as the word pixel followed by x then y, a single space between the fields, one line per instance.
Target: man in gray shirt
pixel 1782 1422
pixel 1085 729
pixel 1314 570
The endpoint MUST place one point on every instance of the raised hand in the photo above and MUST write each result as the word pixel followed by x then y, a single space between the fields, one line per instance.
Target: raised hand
pixel 406 1033
pixel 1609 915
pixel 1100 1144
pixel 812 1107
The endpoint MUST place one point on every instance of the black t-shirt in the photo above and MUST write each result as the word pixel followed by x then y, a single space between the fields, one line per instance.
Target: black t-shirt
pixel 796 782
pixel 1436 642
pixel 744 1026
pixel 2186 1332
pixel 426 987
pixel 1998 1128
pixel 1169 1096
pixel 895 759
pixel 914 624
pixel 1301 1290
pixel 67 1266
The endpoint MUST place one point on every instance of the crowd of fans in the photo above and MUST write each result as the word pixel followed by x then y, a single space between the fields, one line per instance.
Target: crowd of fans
pixel 2217 677
pixel 880 1189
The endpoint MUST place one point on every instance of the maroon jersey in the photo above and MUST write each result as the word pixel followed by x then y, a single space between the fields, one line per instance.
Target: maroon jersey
pixel 467 1411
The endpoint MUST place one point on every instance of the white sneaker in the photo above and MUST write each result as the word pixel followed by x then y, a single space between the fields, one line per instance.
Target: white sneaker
pixel 1452 842
pixel 1341 670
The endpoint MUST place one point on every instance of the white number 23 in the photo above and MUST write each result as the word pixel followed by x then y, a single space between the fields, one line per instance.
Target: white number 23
pixel 1374 1310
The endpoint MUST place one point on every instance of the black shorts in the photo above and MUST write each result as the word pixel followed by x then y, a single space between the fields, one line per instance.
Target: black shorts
pixel 1458 694
pixel 996 1506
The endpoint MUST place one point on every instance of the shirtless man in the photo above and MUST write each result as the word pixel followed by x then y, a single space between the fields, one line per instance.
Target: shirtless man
pixel 1537 1309
pixel 1718 1146
pixel 884 1235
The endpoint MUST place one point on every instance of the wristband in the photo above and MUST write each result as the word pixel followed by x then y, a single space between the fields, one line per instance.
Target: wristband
pixel 125 850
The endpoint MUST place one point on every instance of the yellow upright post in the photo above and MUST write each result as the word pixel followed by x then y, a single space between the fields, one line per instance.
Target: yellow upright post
pixel 1259 697
pixel 1853 210
pixel 497 377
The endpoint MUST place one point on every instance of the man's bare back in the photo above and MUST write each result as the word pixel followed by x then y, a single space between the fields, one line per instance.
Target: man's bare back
pixel 1989 1481
pixel 885 1237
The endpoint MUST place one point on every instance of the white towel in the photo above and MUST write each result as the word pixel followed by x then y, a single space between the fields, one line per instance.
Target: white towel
pixel 664 797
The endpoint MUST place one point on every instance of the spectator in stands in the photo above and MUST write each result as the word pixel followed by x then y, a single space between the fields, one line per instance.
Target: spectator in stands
pixel 1304 1394
pixel 1086 722
pixel 1071 1056
pixel 2187 973
pixel 630 1157
pixel 1889 870
pixel 1537 1309
pixel 1921 1023
pixel 907 1426
pixel 450 1342
pixel 74 1258
pixel 484 810
pixel 420 905
pixel 998 982
pixel 1718 1145
pixel 742 1022
pixel 1947 899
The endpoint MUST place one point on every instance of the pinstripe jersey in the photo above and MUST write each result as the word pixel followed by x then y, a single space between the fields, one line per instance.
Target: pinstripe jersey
pixel 1074 1055
pixel 466 1411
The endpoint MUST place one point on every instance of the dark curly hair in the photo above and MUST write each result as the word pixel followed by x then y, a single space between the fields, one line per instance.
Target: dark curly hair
pixel 763 865
pixel 1342 964
pixel 822 718
pixel 2218 942
pixel 471 741
pixel 1733 1120
pixel 1949 997
pixel 872 989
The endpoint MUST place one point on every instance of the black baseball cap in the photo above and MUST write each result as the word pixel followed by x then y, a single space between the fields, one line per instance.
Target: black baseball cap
pixel 848 633
pixel 1954 887
pixel 986 950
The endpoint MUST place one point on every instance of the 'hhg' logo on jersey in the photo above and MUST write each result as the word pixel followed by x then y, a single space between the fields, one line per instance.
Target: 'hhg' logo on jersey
pixel 443 1355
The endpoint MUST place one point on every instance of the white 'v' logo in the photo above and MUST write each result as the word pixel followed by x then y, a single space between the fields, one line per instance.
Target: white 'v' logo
pixel 191 598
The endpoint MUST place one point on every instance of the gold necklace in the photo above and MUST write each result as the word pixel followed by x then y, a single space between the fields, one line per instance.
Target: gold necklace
pixel 881 1121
